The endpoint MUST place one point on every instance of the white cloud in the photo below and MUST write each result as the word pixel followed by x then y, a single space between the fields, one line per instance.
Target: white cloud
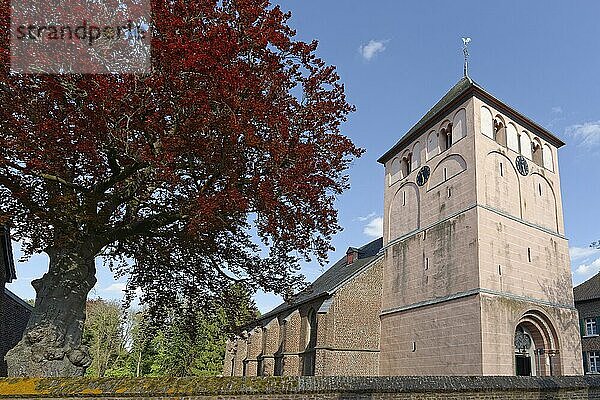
pixel 557 110
pixel 587 133
pixel 585 262
pixel 366 217
pixel 369 50
pixel 374 228
pixel 589 269
pixel 116 287
pixel 578 253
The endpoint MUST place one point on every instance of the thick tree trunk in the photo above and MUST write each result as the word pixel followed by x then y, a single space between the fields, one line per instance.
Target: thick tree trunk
pixel 51 345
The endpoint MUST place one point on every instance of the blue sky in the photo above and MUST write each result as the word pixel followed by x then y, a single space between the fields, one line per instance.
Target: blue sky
pixel 397 58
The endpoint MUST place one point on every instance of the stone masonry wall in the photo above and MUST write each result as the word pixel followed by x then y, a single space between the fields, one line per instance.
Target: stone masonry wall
pixel 288 388
pixel 349 332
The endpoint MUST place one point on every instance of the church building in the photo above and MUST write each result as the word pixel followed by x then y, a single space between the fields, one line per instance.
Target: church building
pixel 474 265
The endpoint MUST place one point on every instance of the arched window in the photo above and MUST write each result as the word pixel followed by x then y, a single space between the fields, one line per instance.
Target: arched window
pixel 432 145
pixel 404 168
pixel 525 141
pixel 548 158
pixel 512 137
pixel 459 125
pixel 537 156
pixel 416 156
pixel 500 131
pixel 445 137
pixel 487 122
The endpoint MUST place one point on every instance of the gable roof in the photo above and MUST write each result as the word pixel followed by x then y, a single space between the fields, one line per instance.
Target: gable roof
pixel 6 255
pixel 22 303
pixel 588 290
pixel 331 280
pixel 464 88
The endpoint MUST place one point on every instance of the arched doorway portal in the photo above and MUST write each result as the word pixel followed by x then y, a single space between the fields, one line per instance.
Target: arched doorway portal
pixel 536 346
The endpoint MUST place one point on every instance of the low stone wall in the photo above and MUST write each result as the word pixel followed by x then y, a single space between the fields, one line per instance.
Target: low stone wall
pixel 288 388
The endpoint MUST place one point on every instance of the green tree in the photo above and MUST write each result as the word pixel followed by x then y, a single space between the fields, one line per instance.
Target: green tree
pixel 193 342
pixel 106 334
pixel 142 354
pixel 182 351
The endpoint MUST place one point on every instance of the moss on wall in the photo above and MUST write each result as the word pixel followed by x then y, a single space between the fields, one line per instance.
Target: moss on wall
pixel 488 387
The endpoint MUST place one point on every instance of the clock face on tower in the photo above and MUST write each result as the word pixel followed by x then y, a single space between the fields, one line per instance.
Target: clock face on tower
pixel 423 175
pixel 522 165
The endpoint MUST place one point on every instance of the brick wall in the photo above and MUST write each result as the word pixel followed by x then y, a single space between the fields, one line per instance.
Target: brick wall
pixel 15 316
pixel 288 388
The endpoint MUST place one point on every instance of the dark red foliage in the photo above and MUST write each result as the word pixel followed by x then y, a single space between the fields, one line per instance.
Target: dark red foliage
pixel 235 135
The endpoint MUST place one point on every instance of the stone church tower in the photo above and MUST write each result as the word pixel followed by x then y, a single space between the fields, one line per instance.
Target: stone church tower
pixel 477 277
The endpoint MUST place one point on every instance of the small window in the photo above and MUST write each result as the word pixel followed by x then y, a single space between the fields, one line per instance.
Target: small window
pixel 426 263
pixel 540 188
pixel 404 168
pixel 500 270
pixel 594 361
pixel 403 198
pixel 445 174
pixel 501 170
pixel 590 327
pixel 529 254
pixel 414 346
pixel 500 132
pixel 424 235
pixel 536 154
pixel 449 192
pixel 446 138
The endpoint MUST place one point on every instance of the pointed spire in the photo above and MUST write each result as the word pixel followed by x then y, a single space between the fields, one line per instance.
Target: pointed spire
pixel 466 41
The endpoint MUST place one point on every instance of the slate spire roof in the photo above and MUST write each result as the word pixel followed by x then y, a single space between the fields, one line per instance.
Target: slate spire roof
pixel 464 88
pixel 332 279
pixel 588 290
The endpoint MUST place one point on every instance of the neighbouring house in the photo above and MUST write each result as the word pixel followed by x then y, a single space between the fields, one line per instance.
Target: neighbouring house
pixel 587 301
pixel 14 312
pixel 473 272
pixel 330 328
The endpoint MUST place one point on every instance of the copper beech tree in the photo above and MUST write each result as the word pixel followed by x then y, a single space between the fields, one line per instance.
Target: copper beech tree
pixel 172 177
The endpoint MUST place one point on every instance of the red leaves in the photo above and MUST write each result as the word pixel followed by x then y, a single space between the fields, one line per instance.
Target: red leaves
pixel 236 120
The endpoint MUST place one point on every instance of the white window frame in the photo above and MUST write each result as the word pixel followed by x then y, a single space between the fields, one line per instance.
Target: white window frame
pixel 591 329
pixel 594 362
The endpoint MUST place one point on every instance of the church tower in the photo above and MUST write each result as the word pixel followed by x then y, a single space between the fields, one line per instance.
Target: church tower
pixel 477 277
